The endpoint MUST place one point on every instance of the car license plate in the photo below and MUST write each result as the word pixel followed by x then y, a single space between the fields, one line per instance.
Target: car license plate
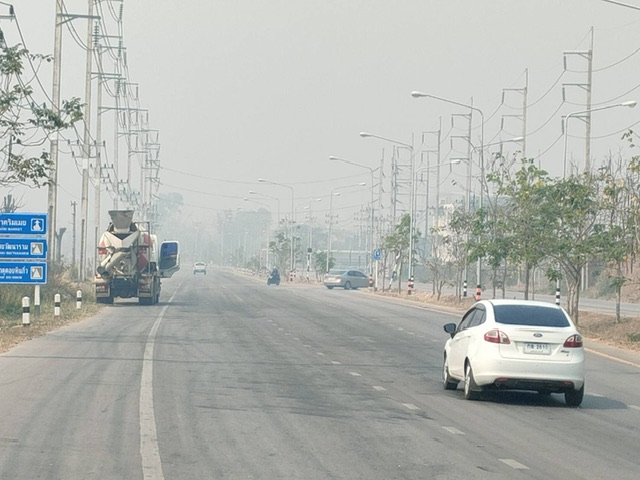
pixel 537 348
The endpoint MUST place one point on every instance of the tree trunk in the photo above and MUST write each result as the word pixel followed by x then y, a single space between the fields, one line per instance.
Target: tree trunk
pixel 527 279
pixel 574 280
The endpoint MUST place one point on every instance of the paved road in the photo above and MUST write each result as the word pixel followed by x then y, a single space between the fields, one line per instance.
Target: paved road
pixel 588 304
pixel 228 378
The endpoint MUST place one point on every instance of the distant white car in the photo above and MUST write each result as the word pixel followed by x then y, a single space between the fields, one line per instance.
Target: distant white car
pixel 515 345
pixel 200 267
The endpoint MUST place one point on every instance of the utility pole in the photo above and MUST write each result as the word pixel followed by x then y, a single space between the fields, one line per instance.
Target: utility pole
pixel 523 117
pixel 587 147
pixel 86 146
pixel 52 196
pixel 467 189
pixel 73 247
pixel 98 166
pixel 586 116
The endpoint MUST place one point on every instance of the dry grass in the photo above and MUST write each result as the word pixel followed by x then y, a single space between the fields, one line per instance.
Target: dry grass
pixel 12 332
pixel 604 329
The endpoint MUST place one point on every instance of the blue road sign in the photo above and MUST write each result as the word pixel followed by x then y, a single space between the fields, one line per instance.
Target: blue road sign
pixel 23 223
pixel 23 272
pixel 377 254
pixel 27 248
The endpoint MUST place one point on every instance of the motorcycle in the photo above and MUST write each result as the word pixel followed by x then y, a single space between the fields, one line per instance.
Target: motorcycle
pixel 273 278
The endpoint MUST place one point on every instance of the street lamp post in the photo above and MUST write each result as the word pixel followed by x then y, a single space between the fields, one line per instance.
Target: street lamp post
pixel 411 201
pixel 565 120
pixel 371 236
pixel 416 94
pixel 332 193
pixel 262 180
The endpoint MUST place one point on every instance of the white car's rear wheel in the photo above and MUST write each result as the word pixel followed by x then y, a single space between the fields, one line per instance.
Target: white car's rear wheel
pixel 449 383
pixel 573 398
pixel 471 391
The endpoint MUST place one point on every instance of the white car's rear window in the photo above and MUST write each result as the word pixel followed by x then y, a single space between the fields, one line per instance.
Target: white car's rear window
pixel 535 316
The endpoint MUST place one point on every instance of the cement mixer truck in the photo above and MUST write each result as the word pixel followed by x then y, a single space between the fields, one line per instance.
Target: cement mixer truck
pixel 130 263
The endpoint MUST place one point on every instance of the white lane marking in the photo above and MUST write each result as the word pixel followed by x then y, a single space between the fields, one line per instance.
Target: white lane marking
pixel 307 346
pixel 595 395
pixel 411 406
pixel 400 329
pixel 355 374
pixel 280 329
pixel 635 407
pixel 320 353
pixel 335 363
pixel 296 338
pixel 411 333
pixel 379 388
pixel 454 430
pixel 611 357
pixel 513 464
pixel 149 451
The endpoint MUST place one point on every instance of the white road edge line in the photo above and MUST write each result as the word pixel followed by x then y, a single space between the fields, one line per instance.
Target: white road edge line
pixel 149 451
pixel 454 431
pixel 513 464
pixel 611 357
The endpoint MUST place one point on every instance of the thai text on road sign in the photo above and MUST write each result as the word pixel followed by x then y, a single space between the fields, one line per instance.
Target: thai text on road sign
pixel 26 248
pixel 23 272
pixel 23 223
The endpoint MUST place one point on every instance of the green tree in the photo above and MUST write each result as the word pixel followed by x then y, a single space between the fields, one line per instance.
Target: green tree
pixel 616 233
pixel 397 244
pixel 520 222
pixel 24 124
pixel 320 262
pixel 571 208
pixel 281 248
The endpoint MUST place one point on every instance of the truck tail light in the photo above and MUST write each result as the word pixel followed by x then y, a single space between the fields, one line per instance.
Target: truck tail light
pixel 496 336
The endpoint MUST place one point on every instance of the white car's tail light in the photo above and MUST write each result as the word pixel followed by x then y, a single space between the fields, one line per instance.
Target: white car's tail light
pixel 574 341
pixel 496 336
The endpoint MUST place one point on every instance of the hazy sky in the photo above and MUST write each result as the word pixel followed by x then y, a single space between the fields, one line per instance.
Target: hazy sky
pixel 242 89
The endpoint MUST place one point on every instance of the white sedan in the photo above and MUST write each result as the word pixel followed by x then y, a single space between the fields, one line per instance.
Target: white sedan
pixel 515 345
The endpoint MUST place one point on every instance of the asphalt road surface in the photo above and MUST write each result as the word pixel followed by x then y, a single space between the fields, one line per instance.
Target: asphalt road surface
pixel 228 378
